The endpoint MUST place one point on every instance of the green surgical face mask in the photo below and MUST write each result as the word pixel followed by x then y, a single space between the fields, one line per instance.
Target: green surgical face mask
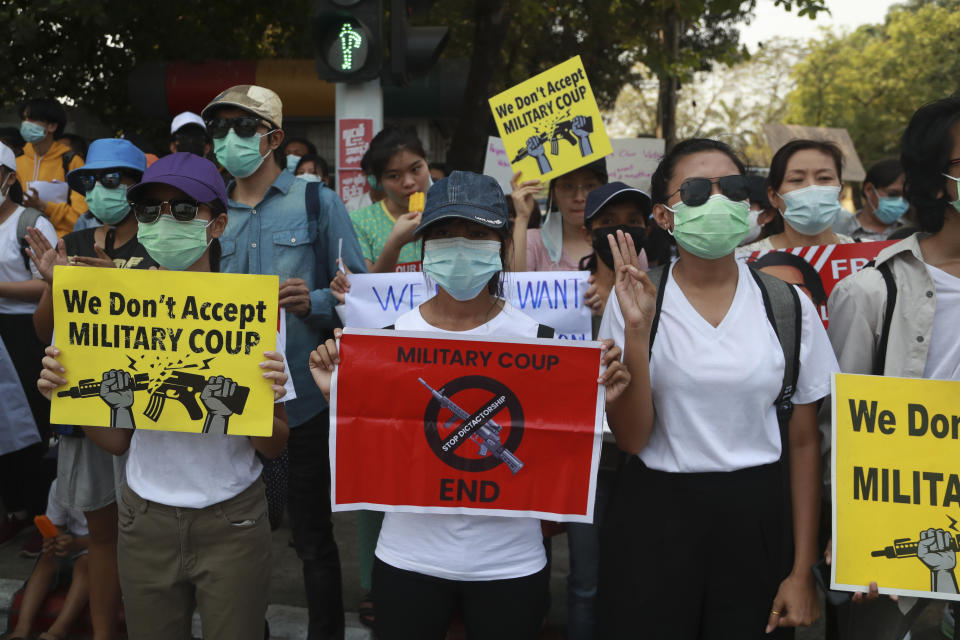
pixel 240 156
pixel 712 230
pixel 173 244
pixel 110 206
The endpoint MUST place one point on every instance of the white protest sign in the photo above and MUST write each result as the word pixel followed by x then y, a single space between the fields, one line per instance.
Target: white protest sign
pixel 553 298
pixel 632 162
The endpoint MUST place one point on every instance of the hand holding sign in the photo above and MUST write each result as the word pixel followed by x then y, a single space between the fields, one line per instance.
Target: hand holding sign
pixel 323 362
pixel 616 377
pixel 523 194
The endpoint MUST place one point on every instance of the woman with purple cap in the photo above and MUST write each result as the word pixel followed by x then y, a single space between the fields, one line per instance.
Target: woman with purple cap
pixel 427 565
pixel 192 517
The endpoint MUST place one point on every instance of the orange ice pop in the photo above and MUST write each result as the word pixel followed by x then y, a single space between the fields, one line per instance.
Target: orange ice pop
pixel 47 528
pixel 417 202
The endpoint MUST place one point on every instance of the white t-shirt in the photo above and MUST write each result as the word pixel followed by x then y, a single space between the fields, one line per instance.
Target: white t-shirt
pixel 465 547
pixel 194 470
pixel 12 268
pixel 943 356
pixel 714 387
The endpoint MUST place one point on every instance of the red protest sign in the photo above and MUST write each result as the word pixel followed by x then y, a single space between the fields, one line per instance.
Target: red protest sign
pixel 429 423
pixel 831 263
pixel 355 135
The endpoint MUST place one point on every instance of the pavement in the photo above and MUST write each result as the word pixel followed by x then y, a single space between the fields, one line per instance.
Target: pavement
pixel 288 616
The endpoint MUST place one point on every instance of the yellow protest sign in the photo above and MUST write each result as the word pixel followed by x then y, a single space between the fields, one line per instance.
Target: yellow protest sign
pixel 550 124
pixel 896 485
pixel 166 350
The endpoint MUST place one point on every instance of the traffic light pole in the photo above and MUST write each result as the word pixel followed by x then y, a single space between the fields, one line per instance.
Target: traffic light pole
pixel 359 115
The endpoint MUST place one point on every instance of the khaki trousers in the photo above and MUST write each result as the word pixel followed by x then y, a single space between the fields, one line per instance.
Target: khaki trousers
pixel 172 558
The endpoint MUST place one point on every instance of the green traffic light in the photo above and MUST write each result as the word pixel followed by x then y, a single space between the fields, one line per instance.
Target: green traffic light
pixel 350 39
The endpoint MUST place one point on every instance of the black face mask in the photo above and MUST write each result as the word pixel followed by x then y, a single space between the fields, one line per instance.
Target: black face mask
pixel 601 246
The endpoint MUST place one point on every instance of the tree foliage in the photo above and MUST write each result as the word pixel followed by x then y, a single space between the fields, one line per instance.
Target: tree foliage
pixel 871 81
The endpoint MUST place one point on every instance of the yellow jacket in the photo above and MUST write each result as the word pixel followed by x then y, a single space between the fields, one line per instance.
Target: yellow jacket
pixel 46 168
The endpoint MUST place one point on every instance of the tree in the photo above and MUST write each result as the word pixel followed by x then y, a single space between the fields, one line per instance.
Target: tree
pixel 729 102
pixel 873 79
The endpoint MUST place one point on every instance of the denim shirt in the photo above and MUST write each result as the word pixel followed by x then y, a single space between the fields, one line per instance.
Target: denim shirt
pixel 277 237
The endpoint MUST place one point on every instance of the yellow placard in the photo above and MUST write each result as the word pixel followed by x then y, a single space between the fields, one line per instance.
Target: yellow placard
pixel 165 350
pixel 896 485
pixel 550 124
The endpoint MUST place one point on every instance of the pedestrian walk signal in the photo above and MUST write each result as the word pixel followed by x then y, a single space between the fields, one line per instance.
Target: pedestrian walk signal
pixel 347 38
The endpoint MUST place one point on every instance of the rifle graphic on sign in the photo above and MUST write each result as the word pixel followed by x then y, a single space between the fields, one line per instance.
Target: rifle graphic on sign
pixel 485 432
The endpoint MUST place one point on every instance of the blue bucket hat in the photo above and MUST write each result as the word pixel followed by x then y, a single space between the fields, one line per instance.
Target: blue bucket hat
pixel 466 195
pixel 108 153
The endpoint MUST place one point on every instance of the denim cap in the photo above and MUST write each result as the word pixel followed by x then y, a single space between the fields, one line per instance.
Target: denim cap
pixel 607 193
pixel 466 195
pixel 195 176
pixel 108 153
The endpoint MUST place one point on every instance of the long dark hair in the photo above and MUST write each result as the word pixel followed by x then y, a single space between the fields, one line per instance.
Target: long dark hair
pixel 925 151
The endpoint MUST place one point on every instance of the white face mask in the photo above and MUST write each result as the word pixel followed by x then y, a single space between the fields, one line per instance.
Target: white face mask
pixel 755 228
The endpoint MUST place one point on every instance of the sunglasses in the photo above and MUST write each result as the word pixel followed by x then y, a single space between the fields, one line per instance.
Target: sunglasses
pixel 109 179
pixel 149 211
pixel 696 191
pixel 244 127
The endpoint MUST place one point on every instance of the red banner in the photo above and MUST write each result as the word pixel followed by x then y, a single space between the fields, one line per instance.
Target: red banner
pixel 354 135
pixel 433 424
pixel 831 263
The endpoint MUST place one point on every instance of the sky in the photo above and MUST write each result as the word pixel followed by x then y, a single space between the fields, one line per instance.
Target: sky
pixel 770 21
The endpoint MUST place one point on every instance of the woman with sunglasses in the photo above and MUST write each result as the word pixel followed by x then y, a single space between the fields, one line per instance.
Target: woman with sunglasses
pixel 89 477
pixel 205 484
pixel 492 568
pixel 694 543
pixel 804 185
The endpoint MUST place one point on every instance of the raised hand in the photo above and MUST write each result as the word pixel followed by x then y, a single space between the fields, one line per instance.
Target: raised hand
pixel 43 255
pixel 635 293
pixel 523 195
pixel 579 128
pixel 536 150
pixel 102 259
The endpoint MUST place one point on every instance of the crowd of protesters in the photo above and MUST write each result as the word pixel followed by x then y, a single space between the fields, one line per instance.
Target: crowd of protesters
pixel 718 432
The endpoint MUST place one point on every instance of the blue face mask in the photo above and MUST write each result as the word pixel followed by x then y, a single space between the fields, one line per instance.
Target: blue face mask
pixel 240 156
pixel 889 209
pixel 110 206
pixel 175 245
pixel 813 209
pixel 292 162
pixel 309 177
pixel 32 132
pixel 460 266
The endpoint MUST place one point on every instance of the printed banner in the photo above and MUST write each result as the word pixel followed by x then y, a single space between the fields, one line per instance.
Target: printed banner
pixel 465 425
pixel 355 136
pixel 830 264
pixel 553 298
pixel 165 350
pixel 352 184
pixel 896 485
pixel 550 123
pixel 632 162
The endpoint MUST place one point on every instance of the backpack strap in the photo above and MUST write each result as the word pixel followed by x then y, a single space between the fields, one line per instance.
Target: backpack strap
pixel 543 331
pixel 782 304
pixel 66 159
pixel 658 276
pixel 313 200
pixel 28 218
pixel 879 362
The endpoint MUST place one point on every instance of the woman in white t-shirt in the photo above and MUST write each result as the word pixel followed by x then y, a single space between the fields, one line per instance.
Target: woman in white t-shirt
pixel 492 568
pixel 23 487
pixel 193 527
pixel 694 542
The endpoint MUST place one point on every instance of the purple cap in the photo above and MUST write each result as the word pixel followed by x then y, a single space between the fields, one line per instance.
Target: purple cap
pixel 195 176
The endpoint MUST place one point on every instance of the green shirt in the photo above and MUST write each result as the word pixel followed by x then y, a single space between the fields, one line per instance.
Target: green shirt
pixel 373 225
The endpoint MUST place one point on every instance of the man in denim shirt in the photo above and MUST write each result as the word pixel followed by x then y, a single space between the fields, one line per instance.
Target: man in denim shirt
pixel 292 228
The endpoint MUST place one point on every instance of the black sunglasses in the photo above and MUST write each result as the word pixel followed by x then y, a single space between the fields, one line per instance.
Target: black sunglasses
pixel 244 127
pixel 149 211
pixel 109 179
pixel 696 191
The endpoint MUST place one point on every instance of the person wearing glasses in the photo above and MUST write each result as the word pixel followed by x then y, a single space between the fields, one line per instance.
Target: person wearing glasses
pixel 804 185
pixel 277 224
pixel 88 476
pixel 696 543
pixel 192 521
